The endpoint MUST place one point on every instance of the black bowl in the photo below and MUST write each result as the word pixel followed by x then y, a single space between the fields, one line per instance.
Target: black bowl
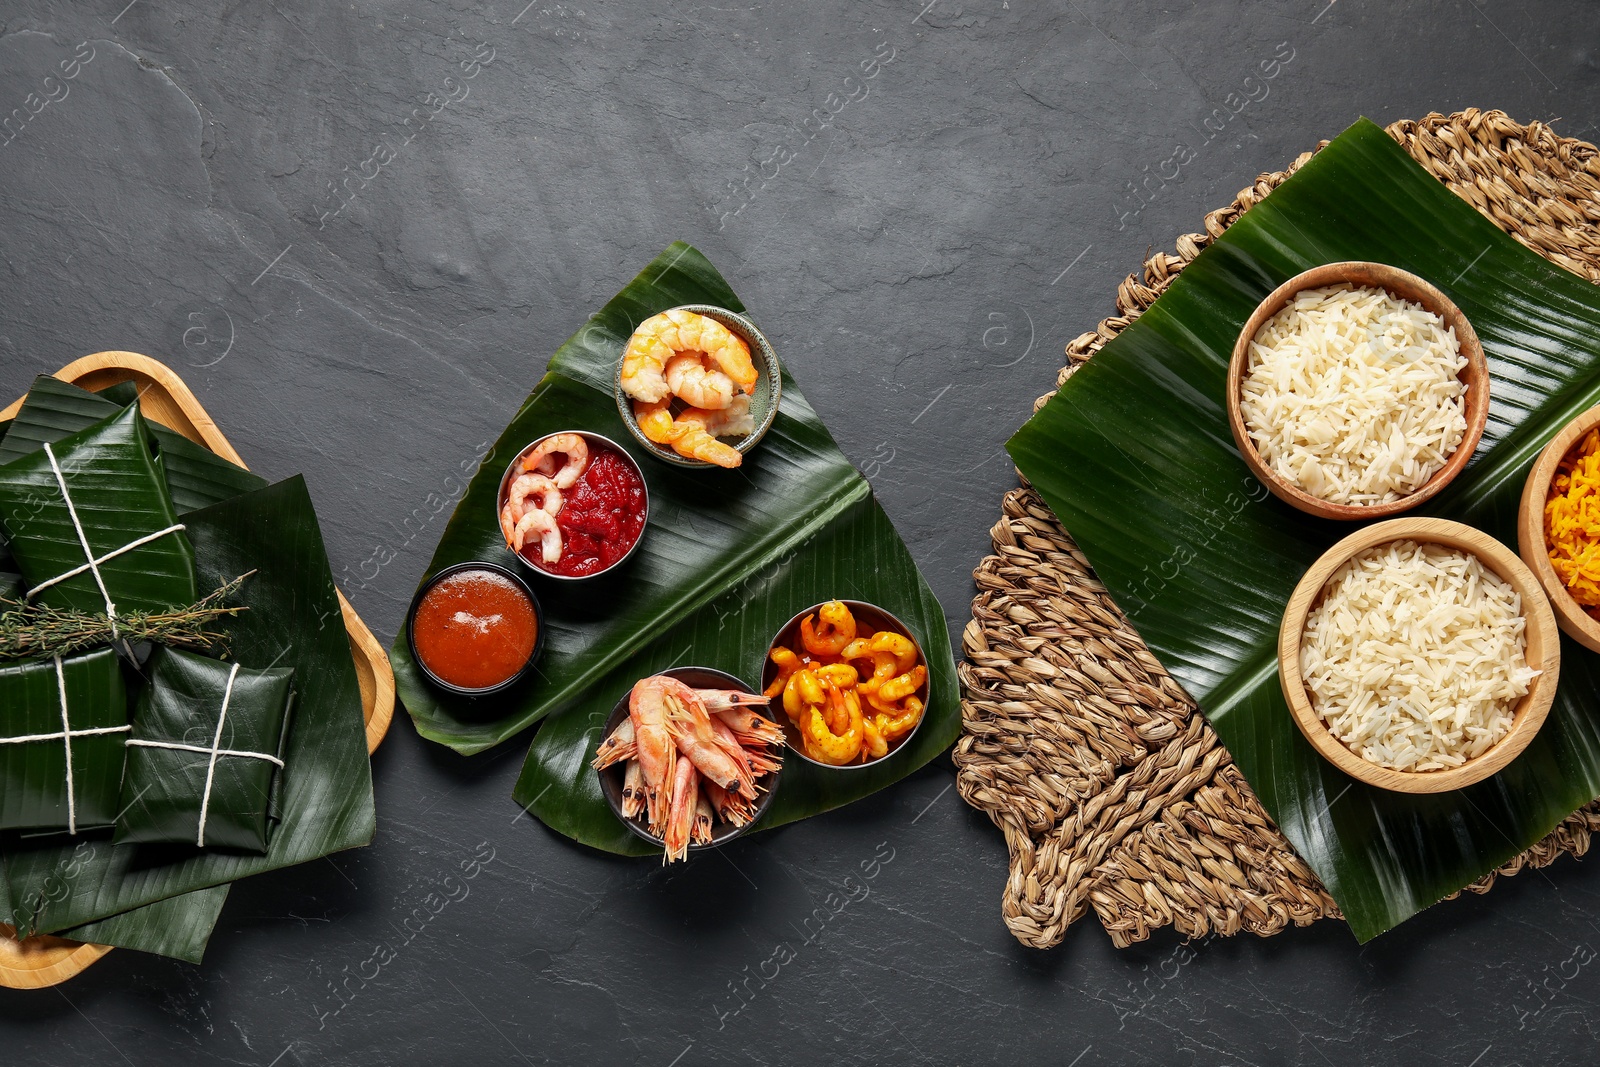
pixel 611 778
pixel 457 568
pixel 868 617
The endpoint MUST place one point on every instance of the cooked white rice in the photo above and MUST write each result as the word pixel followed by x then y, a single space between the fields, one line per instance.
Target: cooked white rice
pixel 1352 394
pixel 1415 656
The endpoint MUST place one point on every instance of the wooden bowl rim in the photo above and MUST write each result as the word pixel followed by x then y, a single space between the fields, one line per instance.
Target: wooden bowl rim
pixel 1406 286
pixel 1531 545
pixel 1541 633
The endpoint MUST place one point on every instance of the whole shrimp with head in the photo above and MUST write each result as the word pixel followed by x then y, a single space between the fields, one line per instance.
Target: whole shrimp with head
pixel 691 758
pixel 684 356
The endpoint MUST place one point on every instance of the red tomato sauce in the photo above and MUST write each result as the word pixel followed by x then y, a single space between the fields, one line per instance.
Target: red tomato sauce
pixel 475 629
pixel 601 517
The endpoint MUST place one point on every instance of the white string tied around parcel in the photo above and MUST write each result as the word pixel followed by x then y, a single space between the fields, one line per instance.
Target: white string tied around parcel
pixel 213 752
pixel 94 562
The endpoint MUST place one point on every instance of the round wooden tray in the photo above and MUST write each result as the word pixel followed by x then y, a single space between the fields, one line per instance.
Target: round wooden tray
pixel 44 960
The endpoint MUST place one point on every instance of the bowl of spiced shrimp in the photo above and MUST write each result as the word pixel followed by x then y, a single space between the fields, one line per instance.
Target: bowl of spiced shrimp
pixel 698 386
pixel 852 683
pixel 689 759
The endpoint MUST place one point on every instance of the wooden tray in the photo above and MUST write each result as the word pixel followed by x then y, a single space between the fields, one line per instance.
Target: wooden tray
pixel 41 961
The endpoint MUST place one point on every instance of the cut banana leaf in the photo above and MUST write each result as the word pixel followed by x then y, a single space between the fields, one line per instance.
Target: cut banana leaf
pixel 178 926
pixel 196 476
pixel 293 620
pixel 1135 457
pixel 727 558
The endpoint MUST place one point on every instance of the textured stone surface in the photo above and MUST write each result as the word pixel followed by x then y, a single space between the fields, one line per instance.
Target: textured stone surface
pixel 920 253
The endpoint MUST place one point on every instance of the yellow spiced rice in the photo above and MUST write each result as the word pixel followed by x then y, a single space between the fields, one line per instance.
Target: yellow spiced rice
pixel 1572 522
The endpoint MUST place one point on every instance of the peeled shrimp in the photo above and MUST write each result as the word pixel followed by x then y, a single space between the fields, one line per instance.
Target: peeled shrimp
pixel 540 522
pixel 734 420
pixel 680 814
pixel 533 490
pixel 835 745
pixel 656 421
pixel 696 384
pixel 671 333
pixel 837 629
pixel 571 445
pixel 696 443
pixel 787 663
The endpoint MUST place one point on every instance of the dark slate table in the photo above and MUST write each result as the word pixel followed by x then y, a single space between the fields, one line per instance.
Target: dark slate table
pixel 922 202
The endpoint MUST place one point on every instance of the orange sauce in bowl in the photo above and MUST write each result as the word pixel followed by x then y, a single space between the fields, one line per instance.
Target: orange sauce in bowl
pixel 475 629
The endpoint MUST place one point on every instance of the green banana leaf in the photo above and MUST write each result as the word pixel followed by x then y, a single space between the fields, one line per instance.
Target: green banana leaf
pixel 727 558
pixel 196 476
pixel 1135 457
pixel 178 927
pixel 326 797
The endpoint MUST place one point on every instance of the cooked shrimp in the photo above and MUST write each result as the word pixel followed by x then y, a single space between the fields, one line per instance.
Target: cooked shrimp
pixel 731 807
pixel 616 748
pixel 508 524
pixel 541 522
pixel 725 699
pixel 749 727
pixel 734 420
pixel 633 791
pixel 884 665
pixel 643 361
pixel 902 686
pixel 837 629
pixel 658 755
pixel 873 742
pixel 802 691
pixel 697 384
pixel 787 663
pixel 533 491
pixel 680 815
pixel 696 443
pixel 700 834
pixel 835 745
pixel 894 725
pixel 721 345
pixel 672 333
pixel 656 421
pixel 722 761
pixel 570 445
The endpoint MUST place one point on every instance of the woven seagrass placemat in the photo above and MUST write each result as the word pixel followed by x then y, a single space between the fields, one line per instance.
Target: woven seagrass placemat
pixel 1109 785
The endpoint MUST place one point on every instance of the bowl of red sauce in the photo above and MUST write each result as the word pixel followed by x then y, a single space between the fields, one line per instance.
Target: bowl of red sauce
pixel 475 628
pixel 577 503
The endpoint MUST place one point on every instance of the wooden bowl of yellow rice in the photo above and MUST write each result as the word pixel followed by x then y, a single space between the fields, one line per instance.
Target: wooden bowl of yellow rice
pixel 1558 526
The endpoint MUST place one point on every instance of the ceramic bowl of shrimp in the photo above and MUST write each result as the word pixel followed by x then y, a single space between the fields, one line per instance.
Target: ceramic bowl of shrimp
pixel 689 759
pixel 698 386
pixel 573 505
pixel 851 680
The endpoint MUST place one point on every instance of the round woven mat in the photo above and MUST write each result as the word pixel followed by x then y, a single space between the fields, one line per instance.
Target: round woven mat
pixel 1111 789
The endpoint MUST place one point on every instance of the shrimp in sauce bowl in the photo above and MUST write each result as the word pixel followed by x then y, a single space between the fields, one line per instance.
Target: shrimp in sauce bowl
pixel 573 505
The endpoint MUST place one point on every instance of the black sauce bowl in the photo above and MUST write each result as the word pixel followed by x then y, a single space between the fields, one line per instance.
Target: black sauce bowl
pixel 457 568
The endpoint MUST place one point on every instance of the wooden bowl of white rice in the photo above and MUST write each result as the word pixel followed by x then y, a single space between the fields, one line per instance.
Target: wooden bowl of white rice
pixel 1357 391
pixel 1419 655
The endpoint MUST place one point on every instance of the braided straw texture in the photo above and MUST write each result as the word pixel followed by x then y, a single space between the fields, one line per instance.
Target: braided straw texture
pixel 1111 790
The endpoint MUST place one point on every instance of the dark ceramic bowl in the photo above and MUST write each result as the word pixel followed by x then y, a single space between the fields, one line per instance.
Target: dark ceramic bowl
pixel 592 438
pixel 763 402
pixel 870 619
pixel 473 565
pixel 611 778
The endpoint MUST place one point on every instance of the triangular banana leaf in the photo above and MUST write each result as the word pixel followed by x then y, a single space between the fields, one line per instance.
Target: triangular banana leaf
pixel 727 557
pixel 196 476
pixel 293 620
pixel 1135 457
pixel 99 491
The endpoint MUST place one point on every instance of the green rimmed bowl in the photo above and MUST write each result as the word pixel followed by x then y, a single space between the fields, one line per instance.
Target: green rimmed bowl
pixel 763 402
